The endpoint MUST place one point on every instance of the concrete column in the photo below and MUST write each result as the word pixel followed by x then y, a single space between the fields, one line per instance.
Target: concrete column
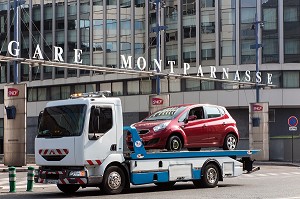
pixel 259 129
pixel 15 127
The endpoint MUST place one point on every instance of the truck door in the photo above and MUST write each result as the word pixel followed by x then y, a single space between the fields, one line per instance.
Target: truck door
pixel 101 136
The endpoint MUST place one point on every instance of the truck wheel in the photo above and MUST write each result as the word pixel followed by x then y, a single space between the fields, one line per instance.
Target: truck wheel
pixel 68 188
pixel 210 177
pixel 230 142
pixel 113 180
pixel 165 185
pixel 174 143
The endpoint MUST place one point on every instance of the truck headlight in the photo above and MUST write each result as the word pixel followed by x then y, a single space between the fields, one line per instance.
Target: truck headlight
pixel 77 173
pixel 161 126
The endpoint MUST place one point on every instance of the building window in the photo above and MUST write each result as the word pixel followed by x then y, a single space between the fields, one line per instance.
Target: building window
pixel 1 96
pixel 146 86
pixel 117 88
pixel 42 94
pixel 1 135
pixel 291 24
pixel 80 88
pixel 32 94
pixel 65 92
pixel 174 85
pixel 192 85
pixel 133 87
pixel 291 79
pixel 90 88
pixel 105 87
pixel 55 93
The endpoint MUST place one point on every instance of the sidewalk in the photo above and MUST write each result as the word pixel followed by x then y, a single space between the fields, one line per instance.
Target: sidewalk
pixel 4 168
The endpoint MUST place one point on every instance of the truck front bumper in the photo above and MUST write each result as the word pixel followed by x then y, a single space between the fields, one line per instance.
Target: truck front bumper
pixel 61 177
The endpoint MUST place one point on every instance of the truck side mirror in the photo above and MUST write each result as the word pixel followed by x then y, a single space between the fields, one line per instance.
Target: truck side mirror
pixel 96 122
pixel 40 117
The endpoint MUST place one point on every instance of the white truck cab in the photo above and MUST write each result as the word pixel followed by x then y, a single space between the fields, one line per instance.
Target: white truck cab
pixel 80 144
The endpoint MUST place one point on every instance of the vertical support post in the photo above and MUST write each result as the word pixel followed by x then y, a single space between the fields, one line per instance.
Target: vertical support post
pixel 12 179
pixel 256 57
pixel 16 38
pixel 157 43
pixel 30 177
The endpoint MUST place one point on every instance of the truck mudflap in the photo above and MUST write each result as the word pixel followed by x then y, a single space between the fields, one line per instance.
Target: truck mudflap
pixel 248 165
pixel 58 177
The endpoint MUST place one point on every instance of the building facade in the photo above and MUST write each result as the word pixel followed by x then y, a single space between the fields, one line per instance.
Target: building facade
pixel 216 33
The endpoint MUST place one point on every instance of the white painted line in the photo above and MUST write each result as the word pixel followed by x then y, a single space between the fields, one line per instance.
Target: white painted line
pixel 261 175
pixel 273 174
pixel 285 173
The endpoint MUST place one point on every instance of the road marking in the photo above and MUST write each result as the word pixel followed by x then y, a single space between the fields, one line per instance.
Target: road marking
pixel 273 174
pixel 261 175
pixel 285 173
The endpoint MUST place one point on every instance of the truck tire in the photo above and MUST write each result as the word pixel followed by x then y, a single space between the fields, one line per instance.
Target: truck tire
pixel 113 180
pixel 165 185
pixel 210 177
pixel 68 188
pixel 230 142
pixel 174 143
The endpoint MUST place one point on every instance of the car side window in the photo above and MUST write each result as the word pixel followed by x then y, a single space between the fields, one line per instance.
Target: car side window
pixel 212 112
pixel 198 112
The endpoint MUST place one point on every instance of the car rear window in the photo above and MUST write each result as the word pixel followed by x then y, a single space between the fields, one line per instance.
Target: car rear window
pixel 168 113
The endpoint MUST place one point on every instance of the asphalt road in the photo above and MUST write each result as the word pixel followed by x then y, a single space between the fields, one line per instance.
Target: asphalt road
pixel 276 182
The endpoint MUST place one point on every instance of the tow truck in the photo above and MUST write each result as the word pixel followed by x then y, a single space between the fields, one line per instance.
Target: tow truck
pixel 81 143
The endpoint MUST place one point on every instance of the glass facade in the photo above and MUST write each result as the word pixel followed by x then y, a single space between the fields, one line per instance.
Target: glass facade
pixel 291 25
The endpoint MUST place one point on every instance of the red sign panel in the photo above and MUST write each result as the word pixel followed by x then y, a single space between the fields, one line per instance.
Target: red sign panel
pixel 157 101
pixel 257 107
pixel 13 92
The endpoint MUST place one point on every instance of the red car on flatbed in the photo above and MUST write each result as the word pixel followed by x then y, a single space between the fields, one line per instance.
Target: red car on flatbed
pixel 190 126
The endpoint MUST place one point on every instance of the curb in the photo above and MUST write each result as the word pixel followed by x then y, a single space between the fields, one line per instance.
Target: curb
pixel 258 163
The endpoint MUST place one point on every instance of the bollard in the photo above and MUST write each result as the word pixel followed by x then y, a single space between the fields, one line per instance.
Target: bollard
pixel 12 179
pixel 30 177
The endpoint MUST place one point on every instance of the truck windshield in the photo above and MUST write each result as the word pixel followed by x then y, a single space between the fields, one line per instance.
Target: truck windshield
pixel 61 121
pixel 168 113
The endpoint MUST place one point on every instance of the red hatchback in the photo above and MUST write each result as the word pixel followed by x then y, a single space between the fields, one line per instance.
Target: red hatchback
pixel 191 126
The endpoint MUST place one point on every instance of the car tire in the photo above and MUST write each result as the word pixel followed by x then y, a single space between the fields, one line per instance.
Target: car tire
pixel 174 143
pixel 113 180
pixel 68 188
pixel 210 177
pixel 194 149
pixel 230 142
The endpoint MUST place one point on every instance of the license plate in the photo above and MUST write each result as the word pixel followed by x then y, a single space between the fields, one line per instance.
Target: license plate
pixel 52 181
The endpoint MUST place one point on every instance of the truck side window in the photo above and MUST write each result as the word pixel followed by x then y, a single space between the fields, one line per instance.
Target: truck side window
pixel 105 121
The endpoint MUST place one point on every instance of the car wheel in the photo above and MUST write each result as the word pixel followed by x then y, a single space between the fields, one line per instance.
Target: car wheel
pixel 210 177
pixel 194 149
pixel 230 142
pixel 68 188
pixel 113 180
pixel 174 143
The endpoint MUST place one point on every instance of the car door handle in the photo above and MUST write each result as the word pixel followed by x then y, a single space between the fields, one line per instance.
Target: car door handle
pixel 204 125
pixel 224 123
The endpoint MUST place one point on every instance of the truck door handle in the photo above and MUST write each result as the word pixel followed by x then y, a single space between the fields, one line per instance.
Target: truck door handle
pixel 204 125
pixel 224 123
